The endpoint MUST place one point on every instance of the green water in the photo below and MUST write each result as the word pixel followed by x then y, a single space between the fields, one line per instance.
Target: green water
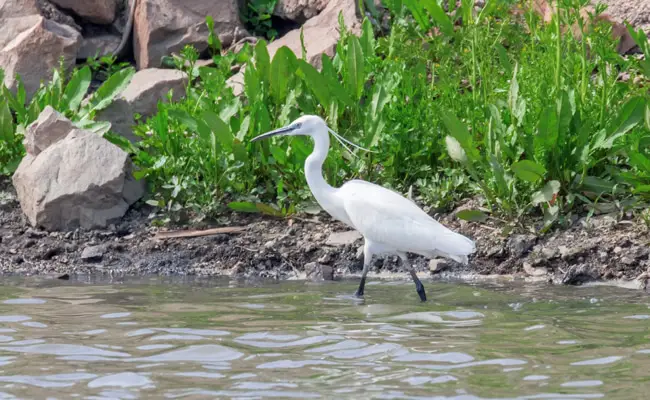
pixel 221 339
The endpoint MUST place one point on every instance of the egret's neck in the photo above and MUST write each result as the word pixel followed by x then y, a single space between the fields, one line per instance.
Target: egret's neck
pixel 314 167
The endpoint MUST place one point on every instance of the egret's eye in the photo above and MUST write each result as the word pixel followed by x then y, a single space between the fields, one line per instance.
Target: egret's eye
pixel 297 125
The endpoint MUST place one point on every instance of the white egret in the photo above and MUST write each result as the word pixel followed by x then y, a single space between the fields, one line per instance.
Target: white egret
pixel 390 223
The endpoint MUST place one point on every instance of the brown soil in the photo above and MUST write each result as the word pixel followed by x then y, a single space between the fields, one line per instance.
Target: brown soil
pixel 600 248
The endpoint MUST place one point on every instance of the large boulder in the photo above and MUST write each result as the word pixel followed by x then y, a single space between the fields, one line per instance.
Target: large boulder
pixel 141 96
pixel 321 35
pixel 164 26
pixel 34 52
pixel 299 10
pixel 97 11
pixel 18 8
pixel 80 180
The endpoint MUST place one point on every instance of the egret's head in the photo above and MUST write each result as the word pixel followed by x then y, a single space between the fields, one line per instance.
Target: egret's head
pixel 306 125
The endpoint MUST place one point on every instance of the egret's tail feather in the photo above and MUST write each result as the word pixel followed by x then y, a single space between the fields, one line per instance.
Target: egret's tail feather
pixel 456 247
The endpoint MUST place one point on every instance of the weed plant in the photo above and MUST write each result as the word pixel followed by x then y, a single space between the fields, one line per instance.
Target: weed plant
pixel 497 104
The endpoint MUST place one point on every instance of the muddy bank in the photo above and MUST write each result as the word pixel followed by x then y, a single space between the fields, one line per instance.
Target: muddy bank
pixel 601 248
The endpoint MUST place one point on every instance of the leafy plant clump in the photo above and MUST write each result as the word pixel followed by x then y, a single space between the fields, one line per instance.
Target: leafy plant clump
pixel 67 96
pixel 532 119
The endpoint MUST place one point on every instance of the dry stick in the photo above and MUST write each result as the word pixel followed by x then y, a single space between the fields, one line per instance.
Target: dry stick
pixel 198 233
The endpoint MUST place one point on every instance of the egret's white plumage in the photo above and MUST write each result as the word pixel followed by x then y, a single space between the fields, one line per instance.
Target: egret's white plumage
pixel 389 222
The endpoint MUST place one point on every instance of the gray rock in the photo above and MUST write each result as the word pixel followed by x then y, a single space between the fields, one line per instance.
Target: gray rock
pixel 321 33
pixel 98 46
pixel 81 180
pixel 319 272
pixel 161 27
pixel 49 128
pixel 437 265
pixel 35 51
pixel 96 11
pixel 342 238
pixel 518 245
pixel 18 8
pixel 141 96
pixel 534 271
pixel 299 10
pixel 93 253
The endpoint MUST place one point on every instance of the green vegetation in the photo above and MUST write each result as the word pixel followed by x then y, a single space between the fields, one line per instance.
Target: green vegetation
pixel 497 105
pixel 65 97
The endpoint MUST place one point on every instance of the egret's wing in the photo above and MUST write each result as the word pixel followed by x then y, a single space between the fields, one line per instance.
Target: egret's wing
pixel 385 216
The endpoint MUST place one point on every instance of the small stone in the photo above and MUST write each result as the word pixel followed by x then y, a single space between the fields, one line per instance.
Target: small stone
pixel 437 265
pixel 549 252
pixel 34 234
pixel 319 272
pixel 93 253
pixel 518 245
pixel 618 250
pixel 325 258
pixel 269 244
pixel 494 251
pixel 342 238
pixel 627 260
pixel 534 271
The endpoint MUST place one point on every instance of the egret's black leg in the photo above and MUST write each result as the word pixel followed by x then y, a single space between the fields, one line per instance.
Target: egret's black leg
pixel 367 257
pixel 362 284
pixel 419 287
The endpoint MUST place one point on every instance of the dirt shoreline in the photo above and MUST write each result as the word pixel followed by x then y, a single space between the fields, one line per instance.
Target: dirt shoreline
pixel 599 249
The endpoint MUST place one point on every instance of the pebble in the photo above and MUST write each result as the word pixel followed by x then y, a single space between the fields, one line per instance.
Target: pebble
pixel 93 253
pixel 319 272
pixel 342 238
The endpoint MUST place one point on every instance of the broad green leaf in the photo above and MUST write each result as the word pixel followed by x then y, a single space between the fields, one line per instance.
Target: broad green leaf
pixel 220 129
pixel 184 118
pixel 367 39
pixel 647 116
pixel 110 89
pixel 282 69
pixel 415 7
pixel 503 59
pixel 99 127
pixel 331 77
pixel 631 114
pixel 439 16
pixel 546 194
pixel 280 154
pixel 263 61
pixel 6 122
pixel 252 83
pixel 355 68
pixel 528 171
pixel 597 185
pixel 459 131
pixel 315 82
pixel 76 89
pixel 268 210
pixel 472 215
pixel 641 162
pixel 243 206
pixel 547 130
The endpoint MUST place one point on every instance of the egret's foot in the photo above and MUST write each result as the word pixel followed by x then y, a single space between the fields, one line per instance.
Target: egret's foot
pixel 419 287
pixel 362 285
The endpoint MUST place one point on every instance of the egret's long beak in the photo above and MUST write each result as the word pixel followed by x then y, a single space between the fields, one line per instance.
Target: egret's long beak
pixel 280 131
